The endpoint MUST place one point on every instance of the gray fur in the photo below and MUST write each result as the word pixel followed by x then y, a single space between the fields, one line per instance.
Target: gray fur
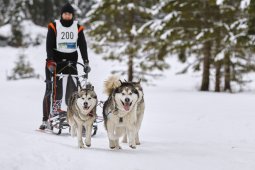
pixel 140 112
pixel 120 114
pixel 78 115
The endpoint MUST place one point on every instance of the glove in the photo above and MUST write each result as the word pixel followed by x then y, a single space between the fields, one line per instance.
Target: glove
pixel 87 68
pixel 51 65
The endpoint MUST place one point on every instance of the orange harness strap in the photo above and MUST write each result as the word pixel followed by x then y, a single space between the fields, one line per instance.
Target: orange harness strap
pixel 80 29
pixel 51 25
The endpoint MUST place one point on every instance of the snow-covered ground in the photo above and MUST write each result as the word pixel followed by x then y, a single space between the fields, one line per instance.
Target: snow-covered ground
pixel 183 129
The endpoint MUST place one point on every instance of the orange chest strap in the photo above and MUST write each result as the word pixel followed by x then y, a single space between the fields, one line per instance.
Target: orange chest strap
pixel 80 29
pixel 51 25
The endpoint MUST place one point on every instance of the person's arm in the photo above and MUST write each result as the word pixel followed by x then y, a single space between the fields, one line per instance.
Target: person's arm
pixel 82 44
pixel 51 41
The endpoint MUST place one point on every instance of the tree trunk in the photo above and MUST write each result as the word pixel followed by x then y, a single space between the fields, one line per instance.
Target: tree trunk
pixel 217 76
pixel 130 68
pixel 206 67
pixel 227 75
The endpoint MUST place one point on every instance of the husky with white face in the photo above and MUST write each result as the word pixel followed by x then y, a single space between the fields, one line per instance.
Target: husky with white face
pixel 140 112
pixel 120 112
pixel 81 112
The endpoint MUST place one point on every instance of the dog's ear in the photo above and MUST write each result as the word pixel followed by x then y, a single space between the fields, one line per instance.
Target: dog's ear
pixel 89 87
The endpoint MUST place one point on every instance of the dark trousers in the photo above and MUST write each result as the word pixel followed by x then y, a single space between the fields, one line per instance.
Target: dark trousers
pixel 54 91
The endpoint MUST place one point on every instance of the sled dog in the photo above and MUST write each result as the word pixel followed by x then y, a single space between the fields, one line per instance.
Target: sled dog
pixel 120 111
pixel 81 112
pixel 140 112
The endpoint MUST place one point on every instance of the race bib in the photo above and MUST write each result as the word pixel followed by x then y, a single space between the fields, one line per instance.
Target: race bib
pixel 66 37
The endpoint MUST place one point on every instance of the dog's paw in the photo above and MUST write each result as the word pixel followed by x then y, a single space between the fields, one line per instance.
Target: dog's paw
pixel 81 146
pixel 132 146
pixel 112 146
pixel 88 143
pixel 138 143
pixel 118 147
pixel 115 147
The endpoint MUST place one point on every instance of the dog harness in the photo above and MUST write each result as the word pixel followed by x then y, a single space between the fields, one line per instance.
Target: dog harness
pixel 120 118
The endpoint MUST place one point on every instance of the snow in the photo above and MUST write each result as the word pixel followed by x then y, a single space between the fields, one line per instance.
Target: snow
pixel 170 16
pixel 183 129
pixel 36 34
pixel 220 55
pixel 133 30
pixel 130 6
pixel 244 4
pixel 219 2
pixel 166 34
pixel 5 31
pixel 200 35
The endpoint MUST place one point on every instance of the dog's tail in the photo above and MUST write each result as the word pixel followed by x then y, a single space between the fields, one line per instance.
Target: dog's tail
pixel 111 83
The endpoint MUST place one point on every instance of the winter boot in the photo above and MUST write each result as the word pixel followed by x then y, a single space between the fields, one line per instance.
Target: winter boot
pixel 46 125
pixel 43 125
pixel 56 108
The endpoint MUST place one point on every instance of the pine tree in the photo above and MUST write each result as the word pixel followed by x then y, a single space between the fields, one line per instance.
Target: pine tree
pixel 22 69
pixel 82 7
pixel 42 11
pixel 235 44
pixel 185 28
pixel 18 14
pixel 114 33
pixel 251 21
pixel 5 9
pixel 214 33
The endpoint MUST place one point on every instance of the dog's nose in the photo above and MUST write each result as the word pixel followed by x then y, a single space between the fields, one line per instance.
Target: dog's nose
pixel 85 103
pixel 127 100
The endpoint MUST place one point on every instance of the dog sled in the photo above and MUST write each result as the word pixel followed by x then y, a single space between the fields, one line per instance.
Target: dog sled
pixel 57 123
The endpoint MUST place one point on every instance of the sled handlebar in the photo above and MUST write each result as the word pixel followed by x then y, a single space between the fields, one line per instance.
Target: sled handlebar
pixel 70 62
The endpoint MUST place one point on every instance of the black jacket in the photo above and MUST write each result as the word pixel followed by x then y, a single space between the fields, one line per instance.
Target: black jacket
pixel 53 54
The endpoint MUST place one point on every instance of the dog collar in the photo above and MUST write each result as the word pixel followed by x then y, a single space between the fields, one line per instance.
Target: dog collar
pixel 91 114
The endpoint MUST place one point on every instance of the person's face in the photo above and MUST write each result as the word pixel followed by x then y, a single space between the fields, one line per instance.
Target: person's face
pixel 67 16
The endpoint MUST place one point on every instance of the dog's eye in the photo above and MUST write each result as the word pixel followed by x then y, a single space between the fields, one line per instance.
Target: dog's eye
pixel 130 93
pixel 123 94
pixel 83 98
pixel 89 98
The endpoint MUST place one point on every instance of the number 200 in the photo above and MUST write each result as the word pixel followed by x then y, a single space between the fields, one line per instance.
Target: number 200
pixel 67 35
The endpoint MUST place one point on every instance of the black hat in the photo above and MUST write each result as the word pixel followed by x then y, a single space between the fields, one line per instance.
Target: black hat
pixel 67 8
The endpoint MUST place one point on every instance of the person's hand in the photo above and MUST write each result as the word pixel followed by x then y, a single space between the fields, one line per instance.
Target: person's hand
pixel 51 65
pixel 86 68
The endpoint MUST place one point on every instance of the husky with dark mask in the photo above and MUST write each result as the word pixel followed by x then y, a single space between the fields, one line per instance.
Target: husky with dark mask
pixel 81 112
pixel 139 113
pixel 120 111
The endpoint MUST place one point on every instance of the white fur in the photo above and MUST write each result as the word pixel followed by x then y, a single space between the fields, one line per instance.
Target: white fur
pixel 115 110
pixel 111 83
pixel 82 118
pixel 140 113
pixel 116 129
